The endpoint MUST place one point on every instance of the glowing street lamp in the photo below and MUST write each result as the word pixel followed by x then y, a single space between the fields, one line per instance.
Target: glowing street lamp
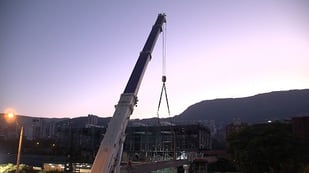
pixel 10 118
pixel 11 115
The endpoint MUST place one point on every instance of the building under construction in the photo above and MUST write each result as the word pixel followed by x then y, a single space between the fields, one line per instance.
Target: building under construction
pixel 146 143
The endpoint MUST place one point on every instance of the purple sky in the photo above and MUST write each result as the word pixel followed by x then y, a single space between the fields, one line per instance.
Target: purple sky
pixel 74 57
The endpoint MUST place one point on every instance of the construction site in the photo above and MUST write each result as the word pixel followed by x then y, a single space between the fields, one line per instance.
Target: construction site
pixel 155 143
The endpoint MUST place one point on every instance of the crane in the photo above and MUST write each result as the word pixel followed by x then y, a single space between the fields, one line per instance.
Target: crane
pixel 109 155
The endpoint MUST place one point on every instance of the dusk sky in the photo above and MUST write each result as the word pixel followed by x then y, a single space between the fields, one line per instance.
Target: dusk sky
pixel 70 58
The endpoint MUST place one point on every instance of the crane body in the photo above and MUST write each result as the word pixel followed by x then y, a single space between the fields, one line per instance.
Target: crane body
pixel 109 155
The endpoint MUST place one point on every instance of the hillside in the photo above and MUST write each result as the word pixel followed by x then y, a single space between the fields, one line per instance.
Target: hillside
pixel 258 108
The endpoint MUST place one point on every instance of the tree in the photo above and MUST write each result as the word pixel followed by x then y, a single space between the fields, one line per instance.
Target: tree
pixel 268 147
pixel 222 165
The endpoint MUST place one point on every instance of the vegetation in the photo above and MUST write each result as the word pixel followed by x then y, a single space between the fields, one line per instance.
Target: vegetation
pixel 270 148
pixel 11 168
pixel 7 167
pixel 222 165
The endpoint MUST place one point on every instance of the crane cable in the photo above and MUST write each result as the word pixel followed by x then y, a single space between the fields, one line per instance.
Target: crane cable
pixel 163 72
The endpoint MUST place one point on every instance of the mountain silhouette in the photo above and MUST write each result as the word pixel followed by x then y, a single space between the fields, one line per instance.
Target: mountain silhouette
pixel 276 105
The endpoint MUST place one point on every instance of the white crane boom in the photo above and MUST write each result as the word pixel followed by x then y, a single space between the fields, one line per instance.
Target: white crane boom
pixel 109 154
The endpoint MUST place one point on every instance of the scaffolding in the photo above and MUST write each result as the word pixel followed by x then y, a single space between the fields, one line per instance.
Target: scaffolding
pixel 157 143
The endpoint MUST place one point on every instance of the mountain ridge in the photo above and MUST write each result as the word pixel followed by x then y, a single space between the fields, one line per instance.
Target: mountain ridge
pixel 257 108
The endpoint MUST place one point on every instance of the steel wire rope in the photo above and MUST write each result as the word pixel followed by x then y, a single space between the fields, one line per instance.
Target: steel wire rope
pixel 163 89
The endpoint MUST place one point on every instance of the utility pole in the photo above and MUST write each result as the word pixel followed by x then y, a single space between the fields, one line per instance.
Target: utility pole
pixel 19 148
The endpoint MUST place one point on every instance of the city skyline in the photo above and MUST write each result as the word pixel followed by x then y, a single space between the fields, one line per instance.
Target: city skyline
pixel 74 58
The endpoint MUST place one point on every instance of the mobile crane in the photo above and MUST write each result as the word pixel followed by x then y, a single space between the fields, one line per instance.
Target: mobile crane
pixel 109 155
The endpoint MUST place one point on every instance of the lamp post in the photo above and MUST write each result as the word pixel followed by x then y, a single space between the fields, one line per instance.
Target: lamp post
pixel 19 148
pixel 11 117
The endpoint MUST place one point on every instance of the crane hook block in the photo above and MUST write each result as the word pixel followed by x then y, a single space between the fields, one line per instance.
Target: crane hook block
pixel 163 78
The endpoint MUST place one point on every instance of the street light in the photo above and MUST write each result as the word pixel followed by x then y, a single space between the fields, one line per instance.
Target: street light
pixel 11 117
